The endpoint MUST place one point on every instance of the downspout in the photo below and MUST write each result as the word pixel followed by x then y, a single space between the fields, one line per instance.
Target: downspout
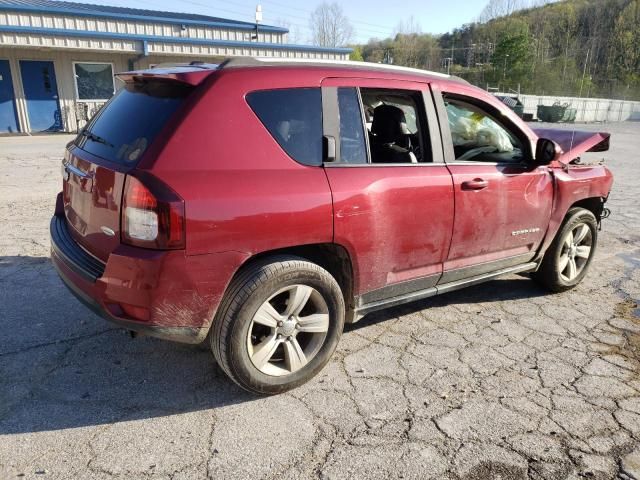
pixel 145 53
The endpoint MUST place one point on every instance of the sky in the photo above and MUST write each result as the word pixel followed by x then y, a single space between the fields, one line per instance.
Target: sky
pixel 370 18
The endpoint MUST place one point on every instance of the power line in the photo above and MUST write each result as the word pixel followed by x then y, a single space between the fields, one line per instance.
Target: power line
pixel 384 27
pixel 236 12
pixel 371 32
pixel 385 31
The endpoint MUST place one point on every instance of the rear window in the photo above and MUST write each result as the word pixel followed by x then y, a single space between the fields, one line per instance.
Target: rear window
pixel 125 127
pixel 293 117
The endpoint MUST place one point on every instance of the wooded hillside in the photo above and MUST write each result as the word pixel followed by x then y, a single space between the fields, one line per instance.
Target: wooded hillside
pixel 572 47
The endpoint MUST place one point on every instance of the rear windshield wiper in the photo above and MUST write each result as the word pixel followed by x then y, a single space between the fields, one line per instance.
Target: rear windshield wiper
pixel 95 138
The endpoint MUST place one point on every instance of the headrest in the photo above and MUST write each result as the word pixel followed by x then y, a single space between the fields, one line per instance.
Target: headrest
pixel 389 123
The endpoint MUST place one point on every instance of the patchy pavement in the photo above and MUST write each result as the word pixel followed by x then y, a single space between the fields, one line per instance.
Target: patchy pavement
pixel 501 380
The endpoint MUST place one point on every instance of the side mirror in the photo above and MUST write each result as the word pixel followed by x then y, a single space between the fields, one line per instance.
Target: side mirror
pixel 547 151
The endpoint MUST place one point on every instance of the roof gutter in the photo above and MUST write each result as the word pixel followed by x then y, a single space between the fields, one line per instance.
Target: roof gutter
pixel 164 39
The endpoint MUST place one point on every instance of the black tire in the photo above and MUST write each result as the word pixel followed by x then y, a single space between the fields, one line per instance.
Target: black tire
pixel 249 290
pixel 549 275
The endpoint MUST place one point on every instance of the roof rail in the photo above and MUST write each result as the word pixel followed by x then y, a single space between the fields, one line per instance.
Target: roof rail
pixel 240 62
pixel 277 61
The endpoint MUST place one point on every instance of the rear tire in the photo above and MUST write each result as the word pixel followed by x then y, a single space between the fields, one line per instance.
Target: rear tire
pixel 567 260
pixel 278 325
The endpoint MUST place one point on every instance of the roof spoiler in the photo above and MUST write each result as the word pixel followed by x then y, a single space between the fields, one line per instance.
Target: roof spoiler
pixel 187 73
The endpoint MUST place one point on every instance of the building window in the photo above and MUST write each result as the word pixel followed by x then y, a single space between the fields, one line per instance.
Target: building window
pixel 94 81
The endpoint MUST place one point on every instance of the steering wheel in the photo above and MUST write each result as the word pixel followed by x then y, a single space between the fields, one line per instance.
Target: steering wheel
pixel 414 144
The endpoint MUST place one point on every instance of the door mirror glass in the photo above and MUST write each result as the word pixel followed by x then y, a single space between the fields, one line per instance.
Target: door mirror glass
pixel 546 151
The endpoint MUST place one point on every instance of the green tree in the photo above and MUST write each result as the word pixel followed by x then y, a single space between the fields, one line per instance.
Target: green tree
pixel 570 47
pixel 512 59
pixel 356 55
pixel 626 46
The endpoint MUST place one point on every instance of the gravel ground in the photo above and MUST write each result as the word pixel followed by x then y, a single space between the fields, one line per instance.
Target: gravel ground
pixel 501 380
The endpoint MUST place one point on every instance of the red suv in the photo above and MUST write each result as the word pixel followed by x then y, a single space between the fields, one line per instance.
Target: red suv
pixel 261 204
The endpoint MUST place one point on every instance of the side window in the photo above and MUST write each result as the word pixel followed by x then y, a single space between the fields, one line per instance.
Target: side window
pixel 293 117
pixel 353 147
pixel 478 137
pixel 395 126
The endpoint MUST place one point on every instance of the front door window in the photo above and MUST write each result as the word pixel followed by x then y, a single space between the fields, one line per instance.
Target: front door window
pixel 478 137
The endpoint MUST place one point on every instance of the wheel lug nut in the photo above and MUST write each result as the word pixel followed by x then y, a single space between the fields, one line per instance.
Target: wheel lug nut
pixel 279 337
pixel 279 323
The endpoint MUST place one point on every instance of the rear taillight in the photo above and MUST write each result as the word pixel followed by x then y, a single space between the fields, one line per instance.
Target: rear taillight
pixel 152 214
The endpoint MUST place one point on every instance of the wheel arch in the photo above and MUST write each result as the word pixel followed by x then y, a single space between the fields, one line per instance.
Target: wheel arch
pixel 333 257
pixel 594 204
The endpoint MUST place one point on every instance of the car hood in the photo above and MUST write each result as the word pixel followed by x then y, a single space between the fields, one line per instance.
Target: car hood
pixel 574 143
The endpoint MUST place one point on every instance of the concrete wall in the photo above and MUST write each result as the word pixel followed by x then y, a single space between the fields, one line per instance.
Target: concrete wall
pixel 588 109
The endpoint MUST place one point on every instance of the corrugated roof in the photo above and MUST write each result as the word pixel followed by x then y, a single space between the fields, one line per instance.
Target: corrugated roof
pixel 72 8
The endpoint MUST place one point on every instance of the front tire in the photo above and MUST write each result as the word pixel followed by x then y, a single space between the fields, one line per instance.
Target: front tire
pixel 278 324
pixel 569 256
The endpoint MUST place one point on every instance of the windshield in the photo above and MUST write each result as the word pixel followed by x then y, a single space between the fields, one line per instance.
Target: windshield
pixel 125 127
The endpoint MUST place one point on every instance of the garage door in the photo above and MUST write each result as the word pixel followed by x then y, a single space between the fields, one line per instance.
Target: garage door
pixel 8 117
pixel 41 94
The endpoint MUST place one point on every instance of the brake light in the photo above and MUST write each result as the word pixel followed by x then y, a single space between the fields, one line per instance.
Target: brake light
pixel 152 214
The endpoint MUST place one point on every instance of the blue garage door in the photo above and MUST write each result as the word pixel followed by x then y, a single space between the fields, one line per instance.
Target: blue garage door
pixel 41 94
pixel 8 117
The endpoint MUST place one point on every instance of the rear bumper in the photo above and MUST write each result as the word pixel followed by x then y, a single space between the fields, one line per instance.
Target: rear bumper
pixel 166 294
pixel 176 334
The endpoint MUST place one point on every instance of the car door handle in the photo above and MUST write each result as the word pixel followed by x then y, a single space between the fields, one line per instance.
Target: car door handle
pixel 475 184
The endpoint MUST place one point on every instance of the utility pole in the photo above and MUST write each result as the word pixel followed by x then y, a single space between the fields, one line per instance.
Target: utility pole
pixel 448 60
pixel 481 65
pixel 452 44
pixel 471 51
pixel 504 69
pixel 258 20
pixel 584 71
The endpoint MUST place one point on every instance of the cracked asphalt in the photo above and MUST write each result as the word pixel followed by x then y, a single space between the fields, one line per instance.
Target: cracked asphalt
pixel 502 380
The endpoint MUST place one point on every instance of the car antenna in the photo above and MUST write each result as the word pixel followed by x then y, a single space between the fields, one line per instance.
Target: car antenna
pixel 584 73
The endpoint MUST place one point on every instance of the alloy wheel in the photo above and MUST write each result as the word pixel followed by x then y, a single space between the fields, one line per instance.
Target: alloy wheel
pixel 575 253
pixel 288 330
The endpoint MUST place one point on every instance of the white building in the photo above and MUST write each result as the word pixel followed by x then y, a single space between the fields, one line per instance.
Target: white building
pixel 57 59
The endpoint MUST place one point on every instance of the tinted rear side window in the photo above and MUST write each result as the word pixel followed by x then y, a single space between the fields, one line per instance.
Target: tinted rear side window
pixel 352 143
pixel 129 122
pixel 293 117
